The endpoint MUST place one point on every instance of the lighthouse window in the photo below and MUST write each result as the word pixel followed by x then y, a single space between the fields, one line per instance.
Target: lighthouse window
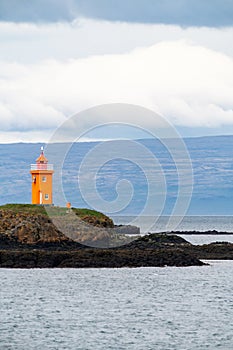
pixel 46 196
pixel 43 178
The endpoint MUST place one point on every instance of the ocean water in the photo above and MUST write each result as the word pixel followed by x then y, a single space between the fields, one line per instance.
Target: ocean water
pixel 187 223
pixel 206 239
pixel 140 309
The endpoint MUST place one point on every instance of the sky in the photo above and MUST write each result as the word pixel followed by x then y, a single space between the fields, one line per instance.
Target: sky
pixel 58 58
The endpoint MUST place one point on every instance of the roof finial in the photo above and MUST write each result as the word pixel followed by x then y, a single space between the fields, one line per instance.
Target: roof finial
pixel 42 149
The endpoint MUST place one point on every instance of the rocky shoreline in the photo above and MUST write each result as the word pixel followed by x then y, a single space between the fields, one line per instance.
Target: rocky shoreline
pixel 89 258
pixel 30 240
pixel 209 232
pixel 140 253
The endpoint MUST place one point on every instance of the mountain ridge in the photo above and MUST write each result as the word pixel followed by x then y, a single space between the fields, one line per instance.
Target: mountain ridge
pixel 211 160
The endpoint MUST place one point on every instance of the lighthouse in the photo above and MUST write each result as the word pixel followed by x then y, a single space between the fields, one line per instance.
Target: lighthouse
pixel 42 180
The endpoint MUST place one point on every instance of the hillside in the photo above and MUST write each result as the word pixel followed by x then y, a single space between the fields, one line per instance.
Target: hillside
pixel 93 217
pixel 32 224
pixel 212 166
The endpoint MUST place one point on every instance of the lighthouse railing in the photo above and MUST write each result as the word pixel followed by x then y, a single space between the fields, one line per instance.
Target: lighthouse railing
pixel 41 166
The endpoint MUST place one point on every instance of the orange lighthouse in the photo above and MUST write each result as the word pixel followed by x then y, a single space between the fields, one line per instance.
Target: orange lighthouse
pixel 42 180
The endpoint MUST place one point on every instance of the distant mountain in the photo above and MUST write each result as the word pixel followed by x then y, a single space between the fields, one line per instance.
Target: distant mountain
pixel 211 157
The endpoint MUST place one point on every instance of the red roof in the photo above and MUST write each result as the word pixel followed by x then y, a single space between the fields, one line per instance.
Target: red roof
pixel 42 158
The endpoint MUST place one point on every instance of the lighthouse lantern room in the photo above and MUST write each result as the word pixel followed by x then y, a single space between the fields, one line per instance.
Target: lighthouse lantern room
pixel 42 180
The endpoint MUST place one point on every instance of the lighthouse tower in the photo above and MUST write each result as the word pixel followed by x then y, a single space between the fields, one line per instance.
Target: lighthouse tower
pixel 42 177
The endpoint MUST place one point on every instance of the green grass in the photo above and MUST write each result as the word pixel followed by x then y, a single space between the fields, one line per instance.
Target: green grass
pixel 24 208
pixel 53 210
pixel 89 212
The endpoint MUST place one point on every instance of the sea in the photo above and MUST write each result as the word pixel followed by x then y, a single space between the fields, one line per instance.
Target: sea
pixel 202 224
pixel 188 308
pixel 180 308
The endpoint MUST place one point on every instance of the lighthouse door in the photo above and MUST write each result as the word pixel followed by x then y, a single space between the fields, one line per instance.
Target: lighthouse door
pixel 41 197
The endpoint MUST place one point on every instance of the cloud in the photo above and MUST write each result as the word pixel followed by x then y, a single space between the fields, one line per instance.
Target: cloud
pixel 212 13
pixel 190 85
pixel 31 43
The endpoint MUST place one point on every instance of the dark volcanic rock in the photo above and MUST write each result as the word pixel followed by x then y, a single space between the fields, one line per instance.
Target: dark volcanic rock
pixel 212 251
pixel 31 240
pixel 97 258
pixel 209 232
pixel 29 228
pixel 154 240
pixel 127 229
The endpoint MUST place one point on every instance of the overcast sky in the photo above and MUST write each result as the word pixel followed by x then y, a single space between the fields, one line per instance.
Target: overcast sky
pixel 211 13
pixel 60 57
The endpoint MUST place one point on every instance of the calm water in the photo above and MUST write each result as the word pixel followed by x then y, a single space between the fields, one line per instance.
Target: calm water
pixel 144 308
pixel 206 239
pixel 187 223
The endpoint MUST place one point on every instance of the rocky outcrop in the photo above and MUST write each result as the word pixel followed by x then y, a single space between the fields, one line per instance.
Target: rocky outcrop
pixel 127 229
pixel 212 251
pixel 29 228
pixel 209 232
pixel 154 240
pixel 32 228
pixel 82 231
pixel 32 240
pixel 97 258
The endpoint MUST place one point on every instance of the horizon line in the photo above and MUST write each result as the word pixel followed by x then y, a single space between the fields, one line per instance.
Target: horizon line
pixel 115 139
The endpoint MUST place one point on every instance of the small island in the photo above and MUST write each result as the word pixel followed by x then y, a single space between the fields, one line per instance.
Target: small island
pixel 29 239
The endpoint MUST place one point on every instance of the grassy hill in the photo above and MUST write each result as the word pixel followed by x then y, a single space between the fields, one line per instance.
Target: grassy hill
pixel 35 224
pixel 90 216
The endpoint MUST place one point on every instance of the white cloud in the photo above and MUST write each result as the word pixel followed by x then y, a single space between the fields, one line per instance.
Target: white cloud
pixel 189 84
pixel 30 43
